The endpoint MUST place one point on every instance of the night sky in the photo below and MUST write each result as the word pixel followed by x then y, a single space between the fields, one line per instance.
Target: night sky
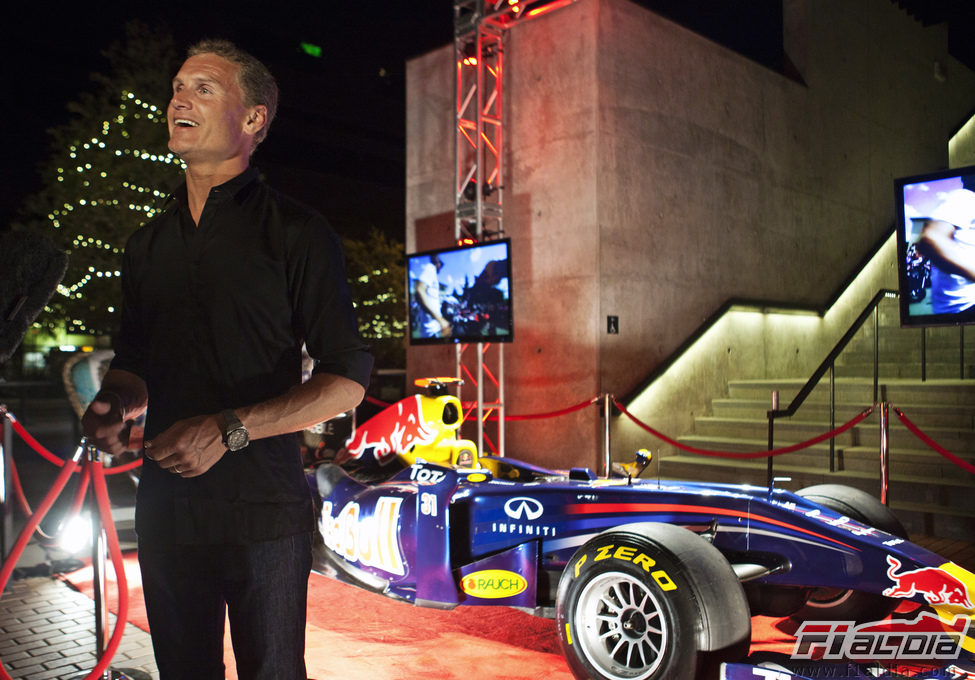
pixel 338 141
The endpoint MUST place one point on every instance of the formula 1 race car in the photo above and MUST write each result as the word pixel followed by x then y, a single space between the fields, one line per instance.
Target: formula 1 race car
pixel 646 579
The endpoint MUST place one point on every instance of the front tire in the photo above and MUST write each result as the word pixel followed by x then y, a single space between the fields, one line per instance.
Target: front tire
pixel 631 604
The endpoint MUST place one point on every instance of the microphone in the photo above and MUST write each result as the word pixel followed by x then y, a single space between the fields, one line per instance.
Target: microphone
pixel 31 267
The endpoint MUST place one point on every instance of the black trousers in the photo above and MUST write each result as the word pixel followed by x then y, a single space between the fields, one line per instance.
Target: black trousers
pixel 263 587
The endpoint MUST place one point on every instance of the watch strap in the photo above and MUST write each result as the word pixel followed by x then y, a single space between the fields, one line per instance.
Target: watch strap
pixel 230 421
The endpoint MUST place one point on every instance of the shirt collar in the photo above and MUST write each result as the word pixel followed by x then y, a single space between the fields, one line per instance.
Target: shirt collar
pixel 232 187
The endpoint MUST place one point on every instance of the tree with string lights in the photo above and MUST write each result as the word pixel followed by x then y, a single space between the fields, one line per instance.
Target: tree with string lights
pixel 107 175
pixel 108 169
pixel 377 282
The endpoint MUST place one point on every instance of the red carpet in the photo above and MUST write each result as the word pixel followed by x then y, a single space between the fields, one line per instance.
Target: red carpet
pixel 356 635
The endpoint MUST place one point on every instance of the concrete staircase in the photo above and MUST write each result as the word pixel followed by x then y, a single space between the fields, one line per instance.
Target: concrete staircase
pixel 930 494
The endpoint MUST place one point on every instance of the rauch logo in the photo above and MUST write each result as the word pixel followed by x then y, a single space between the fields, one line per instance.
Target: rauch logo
pixel 493 584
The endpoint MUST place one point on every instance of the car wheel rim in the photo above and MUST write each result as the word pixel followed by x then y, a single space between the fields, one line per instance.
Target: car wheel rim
pixel 620 627
pixel 828 597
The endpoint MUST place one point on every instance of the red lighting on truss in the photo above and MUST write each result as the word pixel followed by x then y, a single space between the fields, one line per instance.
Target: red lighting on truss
pixel 545 9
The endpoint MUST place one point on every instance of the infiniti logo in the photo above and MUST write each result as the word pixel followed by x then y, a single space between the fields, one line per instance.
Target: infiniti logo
pixel 522 506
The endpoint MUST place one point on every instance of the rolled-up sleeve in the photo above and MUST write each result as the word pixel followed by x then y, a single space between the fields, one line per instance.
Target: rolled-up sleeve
pixel 129 344
pixel 323 312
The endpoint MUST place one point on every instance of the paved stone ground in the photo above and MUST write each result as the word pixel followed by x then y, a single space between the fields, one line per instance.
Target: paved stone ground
pixel 47 633
pixel 46 626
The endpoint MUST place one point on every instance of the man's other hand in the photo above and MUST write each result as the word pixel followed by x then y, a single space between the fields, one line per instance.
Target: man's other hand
pixel 104 424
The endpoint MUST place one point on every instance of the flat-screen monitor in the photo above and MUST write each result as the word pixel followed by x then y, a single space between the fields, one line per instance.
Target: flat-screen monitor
pixel 461 294
pixel 936 247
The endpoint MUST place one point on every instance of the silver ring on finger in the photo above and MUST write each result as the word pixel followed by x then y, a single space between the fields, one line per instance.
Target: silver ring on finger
pixel 177 470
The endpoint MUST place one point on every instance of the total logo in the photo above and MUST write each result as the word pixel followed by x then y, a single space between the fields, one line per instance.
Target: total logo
pixel 523 510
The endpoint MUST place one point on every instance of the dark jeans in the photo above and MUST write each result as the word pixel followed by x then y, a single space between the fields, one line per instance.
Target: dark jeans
pixel 264 589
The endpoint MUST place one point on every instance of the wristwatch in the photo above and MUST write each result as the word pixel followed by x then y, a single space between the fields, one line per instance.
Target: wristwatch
pixel 235 435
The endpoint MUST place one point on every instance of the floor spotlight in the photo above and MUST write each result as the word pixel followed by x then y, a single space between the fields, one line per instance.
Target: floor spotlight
pixel 75 536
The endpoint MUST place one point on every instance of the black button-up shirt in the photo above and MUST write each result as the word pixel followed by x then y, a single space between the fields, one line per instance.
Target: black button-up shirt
pixel 214 316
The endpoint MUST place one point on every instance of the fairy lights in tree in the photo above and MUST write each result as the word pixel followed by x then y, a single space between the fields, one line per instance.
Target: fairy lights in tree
pixel 107 174
pixel 107 185
pixel 110 171
pixel 377 277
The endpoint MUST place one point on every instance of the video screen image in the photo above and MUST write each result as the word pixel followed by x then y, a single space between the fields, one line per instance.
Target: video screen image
pixel 936 248
pixel 461 294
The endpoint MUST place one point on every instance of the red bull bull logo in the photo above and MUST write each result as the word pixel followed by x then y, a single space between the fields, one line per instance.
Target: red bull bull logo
pixel 395 430
pixel 936 586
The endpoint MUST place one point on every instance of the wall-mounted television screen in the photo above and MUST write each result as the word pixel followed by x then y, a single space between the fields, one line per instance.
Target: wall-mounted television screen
pixel 936 247
pixel 461 294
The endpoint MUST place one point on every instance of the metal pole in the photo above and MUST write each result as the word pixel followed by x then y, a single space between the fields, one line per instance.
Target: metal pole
pixel 924 354
pixel 99 545
pixel 6 485
pixel 501 401
pixel 884 447
pixel 876 351
pixel 480 396
pixel 961 352
pixel 607 458
pixel 771 423
pixel 832 416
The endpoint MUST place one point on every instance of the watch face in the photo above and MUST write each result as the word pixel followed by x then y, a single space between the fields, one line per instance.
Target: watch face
pixel 237 439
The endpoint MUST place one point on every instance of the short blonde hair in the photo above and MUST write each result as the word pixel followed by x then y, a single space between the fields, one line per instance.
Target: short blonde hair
pixel 255 80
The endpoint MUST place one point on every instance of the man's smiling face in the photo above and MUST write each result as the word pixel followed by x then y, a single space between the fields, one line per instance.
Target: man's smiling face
pixel 207 118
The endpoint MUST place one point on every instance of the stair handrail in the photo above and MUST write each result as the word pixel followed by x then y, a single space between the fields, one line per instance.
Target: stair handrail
pixel 829 365
pixel 829 362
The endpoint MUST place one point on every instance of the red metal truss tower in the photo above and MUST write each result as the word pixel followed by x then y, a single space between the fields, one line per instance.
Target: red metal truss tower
pixel 479 27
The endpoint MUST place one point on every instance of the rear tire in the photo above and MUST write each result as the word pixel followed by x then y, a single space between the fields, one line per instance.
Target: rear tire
pixel 834 604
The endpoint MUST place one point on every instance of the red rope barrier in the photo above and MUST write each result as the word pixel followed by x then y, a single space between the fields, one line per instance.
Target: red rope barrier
pixel 119 469
pixel 33 443
pixel 28 531
pixel 51 458
pixel 916 431
pixel 19 491
pixel 757 454
pixel 530 416
pixel 121 583
pixel 103 503
pixel 550 414
pixel 554 414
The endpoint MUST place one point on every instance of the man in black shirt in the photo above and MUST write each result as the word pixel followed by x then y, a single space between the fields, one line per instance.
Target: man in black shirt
pixel 220 293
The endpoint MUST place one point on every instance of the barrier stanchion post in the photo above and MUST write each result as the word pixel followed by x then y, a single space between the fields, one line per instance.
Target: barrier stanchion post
pixel 884 446
pixel 6 485
pixel 832 416
pixel 607 457
pixel 770 473
pixel 99 550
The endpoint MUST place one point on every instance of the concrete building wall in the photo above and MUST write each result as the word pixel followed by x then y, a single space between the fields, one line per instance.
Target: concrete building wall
pixel 653 175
